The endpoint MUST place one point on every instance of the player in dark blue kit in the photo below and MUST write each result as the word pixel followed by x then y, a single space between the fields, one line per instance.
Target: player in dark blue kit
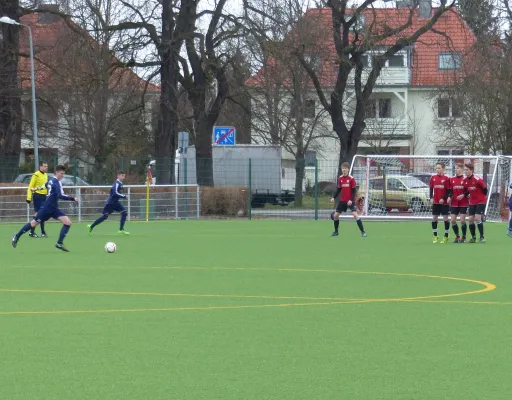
pixel 50 209
pixel 113 205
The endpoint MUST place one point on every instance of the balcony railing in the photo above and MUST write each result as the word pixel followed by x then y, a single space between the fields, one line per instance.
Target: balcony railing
pixel 386 127
pixel 389 76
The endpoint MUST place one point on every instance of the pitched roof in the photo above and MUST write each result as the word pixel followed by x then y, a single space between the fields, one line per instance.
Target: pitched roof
pixel 449 34
pixel 53 42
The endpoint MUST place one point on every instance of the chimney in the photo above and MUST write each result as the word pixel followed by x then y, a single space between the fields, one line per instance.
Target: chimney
pixel 44 17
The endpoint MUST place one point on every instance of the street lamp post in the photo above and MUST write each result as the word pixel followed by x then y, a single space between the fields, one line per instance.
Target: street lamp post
pixel 7 20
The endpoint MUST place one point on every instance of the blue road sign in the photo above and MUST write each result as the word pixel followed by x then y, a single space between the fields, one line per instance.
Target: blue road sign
pixel 224 135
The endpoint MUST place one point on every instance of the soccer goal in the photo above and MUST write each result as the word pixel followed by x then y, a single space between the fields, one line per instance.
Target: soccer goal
pixel 397 186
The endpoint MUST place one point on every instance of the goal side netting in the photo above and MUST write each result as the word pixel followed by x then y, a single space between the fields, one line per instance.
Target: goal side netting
pixel 397 186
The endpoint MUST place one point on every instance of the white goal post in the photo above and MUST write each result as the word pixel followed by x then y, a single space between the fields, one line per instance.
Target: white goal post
pixel 165 202
pixel 396 186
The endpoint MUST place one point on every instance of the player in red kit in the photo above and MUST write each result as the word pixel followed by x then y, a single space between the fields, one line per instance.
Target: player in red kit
pixel 439 193
pixel 458 207
pixel 476 189
pixel 347 197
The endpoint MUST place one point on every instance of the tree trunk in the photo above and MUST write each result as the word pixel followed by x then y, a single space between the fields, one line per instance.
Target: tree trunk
pixel 165 137
pixel 204 151
pixel 300 167
pixel 10 94
pixel 98 175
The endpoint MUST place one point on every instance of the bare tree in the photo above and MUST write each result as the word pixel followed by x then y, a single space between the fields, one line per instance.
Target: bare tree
pixel 284 108
pixel 352 39
pixel 87 102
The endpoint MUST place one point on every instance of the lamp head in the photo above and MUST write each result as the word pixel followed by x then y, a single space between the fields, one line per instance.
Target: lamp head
pixel 7 20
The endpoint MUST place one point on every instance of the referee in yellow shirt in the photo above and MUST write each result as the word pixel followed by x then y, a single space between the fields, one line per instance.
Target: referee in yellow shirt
pixel 37 192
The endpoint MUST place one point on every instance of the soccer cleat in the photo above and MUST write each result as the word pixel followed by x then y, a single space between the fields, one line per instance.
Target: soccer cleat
pixel 463 239
pixel 33 235
pixel 457 240
pixel 123 232
pixel 61 247
pixel 435 240
pixel 364 234
pixel 481 240
pixel 89 227
pixel 509 233
pixel 335 233
pixel 444 240
pixel 44 235
pixel 14 241
pixel 472 240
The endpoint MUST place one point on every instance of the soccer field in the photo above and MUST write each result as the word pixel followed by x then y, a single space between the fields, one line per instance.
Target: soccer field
pixel 256 310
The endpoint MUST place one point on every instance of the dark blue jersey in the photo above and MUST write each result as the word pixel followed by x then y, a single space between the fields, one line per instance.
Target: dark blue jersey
pixel 55 193
pixel 116 193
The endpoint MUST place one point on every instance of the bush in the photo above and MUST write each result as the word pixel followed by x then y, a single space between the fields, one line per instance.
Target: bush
pixel 224 201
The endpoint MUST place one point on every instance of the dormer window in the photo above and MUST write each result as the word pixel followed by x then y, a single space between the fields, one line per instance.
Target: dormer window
pixel 450 61
pixel 358 25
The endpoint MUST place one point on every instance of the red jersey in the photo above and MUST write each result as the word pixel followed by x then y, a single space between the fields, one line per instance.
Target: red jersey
pixel 457 186
pixel 475 186
pixel 440 186
pixel 346 184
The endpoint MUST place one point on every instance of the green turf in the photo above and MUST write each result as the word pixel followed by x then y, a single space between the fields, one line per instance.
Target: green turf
pixel 255 310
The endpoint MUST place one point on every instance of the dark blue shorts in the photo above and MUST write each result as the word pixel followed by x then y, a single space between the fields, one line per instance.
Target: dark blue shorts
pixel 44 215
pixel 38 200
pixel 112 208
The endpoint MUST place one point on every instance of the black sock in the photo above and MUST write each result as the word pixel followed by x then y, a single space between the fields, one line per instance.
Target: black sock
pixel 99 220
pixel 43 232
pixel 472 229
pixel 360 225
pixel 124 215
pixel 336 224
pixel 63 232
pixel 434 227
pixel 24 230
pixel 464 229
pixel 480 226
pixel 32 230
pixel 455 228
pixel 446 228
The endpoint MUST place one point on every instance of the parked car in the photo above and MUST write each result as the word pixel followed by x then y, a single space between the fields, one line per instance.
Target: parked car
pixel 68 180
pixel 403 192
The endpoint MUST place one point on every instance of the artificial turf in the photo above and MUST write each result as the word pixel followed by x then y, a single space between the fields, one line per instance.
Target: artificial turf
pixel 255 310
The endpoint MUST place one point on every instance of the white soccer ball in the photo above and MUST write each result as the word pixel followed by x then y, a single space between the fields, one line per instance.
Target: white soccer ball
pixel 110 247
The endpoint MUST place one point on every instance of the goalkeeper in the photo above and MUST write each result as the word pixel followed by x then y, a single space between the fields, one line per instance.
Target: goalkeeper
pixel 36 193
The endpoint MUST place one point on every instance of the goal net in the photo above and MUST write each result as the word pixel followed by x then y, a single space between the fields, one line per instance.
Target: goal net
pixel 397 186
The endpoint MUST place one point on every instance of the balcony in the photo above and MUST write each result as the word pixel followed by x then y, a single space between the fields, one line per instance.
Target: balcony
pixel 386 127
pixel 389 76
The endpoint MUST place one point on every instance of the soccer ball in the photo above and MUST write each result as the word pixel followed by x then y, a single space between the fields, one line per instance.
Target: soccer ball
pixel 110 247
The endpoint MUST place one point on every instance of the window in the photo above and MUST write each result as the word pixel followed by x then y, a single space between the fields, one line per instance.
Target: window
pixel 448 108
pixel 450 152
pixel 395 184
pixel 449 61
pixel 396 61
pixel 384 108
pixel 367 61
pixel 309 109
pixel 378 108
pixel 313 60
pixel 377 184
pixel 358 25
pixel 310 158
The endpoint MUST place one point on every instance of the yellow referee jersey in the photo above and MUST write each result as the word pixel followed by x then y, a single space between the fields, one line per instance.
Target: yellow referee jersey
pixel 38 180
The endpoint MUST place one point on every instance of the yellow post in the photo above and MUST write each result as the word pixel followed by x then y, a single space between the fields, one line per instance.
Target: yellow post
pixel 148 182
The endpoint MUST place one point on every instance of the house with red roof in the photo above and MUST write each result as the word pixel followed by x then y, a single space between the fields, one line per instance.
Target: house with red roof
pixel 407 103
pixel 72 74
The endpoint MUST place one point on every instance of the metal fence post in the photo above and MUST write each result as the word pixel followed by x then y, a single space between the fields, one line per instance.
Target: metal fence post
pixel 129 204
pixel 316 189
pixel 198 202
pixel 185 188
pixel 176 201
pixel 79 196
pixel 249 191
